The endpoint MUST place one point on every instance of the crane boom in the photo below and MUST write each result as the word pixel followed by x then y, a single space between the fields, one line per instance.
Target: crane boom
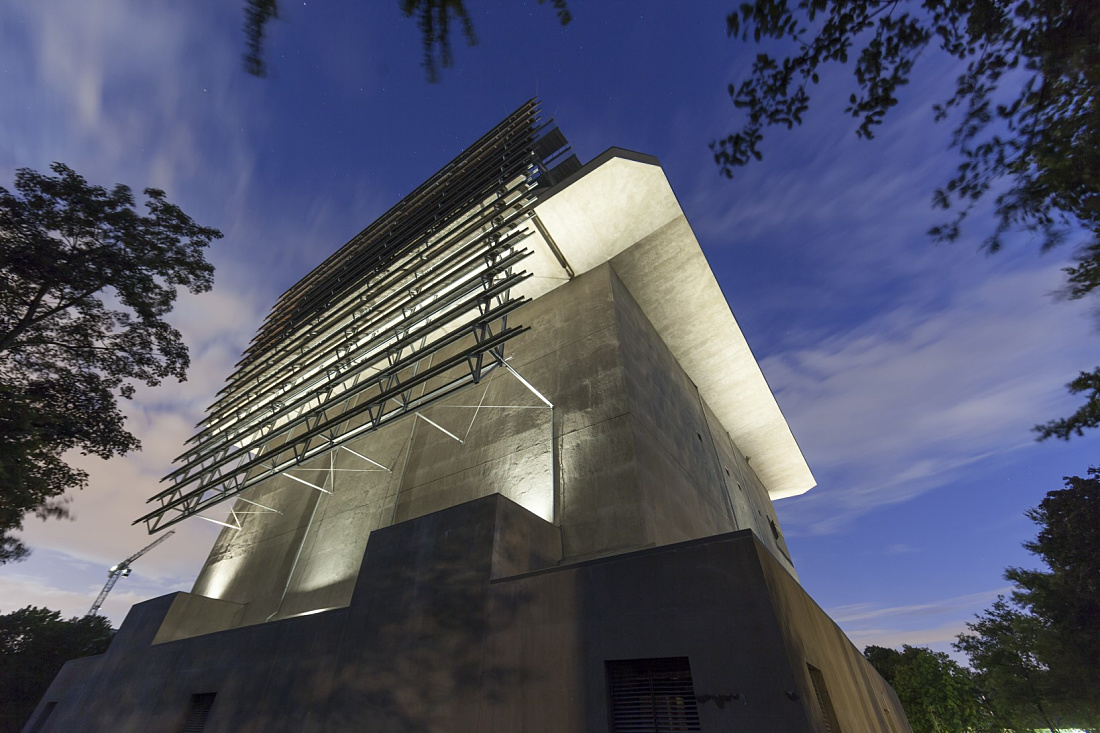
pixel 122 570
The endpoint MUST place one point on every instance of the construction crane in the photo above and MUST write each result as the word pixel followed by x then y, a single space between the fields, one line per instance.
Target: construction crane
pixel 122 570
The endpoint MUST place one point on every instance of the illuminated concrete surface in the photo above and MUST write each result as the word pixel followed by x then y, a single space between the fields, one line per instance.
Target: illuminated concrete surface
pixel 472 566
pixel 638 436
pixel 620 208
pixel 643 461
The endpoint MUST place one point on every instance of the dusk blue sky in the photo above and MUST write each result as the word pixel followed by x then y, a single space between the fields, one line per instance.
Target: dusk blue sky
pixel 910 372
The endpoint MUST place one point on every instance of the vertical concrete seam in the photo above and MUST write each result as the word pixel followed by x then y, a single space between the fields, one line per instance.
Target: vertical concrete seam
pixel 401 476
pixel 612 277
pixel 408 451
pixel 717 458
pixel 298 554
pixel 793 644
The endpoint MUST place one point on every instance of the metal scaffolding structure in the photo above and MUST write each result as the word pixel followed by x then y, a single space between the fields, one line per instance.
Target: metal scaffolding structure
pixel 412 309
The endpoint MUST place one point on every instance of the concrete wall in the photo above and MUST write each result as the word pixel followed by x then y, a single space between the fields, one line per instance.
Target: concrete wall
pixel 464 621
pixel 858 692
pixel 475 566
pixel 642 461
pixel 571 352
pixel 695 480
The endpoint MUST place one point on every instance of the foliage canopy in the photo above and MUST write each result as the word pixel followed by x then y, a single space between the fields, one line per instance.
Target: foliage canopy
pixel 1035 658
pixel 1026 109
pixel 1067 597
pixel 434 18
pixel 34 644
pixel 1002 647
pixel 1038 654
pixel 938 695
pixel 1043 141
pixel 85 283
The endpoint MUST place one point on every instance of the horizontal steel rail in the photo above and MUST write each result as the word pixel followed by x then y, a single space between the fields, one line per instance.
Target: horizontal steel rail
pixel 379 414
pixel 412 309
pixel 497 156
pixel 262 394
pixel 400 270
pixel 288 412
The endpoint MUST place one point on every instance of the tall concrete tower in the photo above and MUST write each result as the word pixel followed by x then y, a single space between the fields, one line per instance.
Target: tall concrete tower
pixel 503 462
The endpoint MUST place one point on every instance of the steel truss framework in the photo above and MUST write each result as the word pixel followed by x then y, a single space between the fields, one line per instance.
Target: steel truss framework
pixel 412 309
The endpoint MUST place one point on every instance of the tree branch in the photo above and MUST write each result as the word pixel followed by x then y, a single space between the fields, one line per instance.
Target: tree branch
pixel 8 339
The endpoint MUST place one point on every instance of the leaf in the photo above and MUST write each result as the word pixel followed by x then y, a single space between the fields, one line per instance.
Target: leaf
pixel 102 277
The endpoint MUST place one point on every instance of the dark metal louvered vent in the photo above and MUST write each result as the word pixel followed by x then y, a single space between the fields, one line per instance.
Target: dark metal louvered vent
pixel 563 170
pixel 652 696
pixel 199 712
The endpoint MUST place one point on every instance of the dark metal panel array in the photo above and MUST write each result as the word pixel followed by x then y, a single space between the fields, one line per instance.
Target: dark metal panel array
pixel 651 696
pixel 412 309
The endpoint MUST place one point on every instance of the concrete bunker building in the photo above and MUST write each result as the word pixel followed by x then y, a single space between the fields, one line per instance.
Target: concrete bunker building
pixel 503 462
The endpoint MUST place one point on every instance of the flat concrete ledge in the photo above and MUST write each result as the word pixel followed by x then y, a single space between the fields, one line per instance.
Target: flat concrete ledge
pixel 599 160
pixel 194 615
pixel 741 535
pixel 439 637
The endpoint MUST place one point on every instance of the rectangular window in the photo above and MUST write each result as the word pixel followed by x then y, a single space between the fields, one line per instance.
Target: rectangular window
pixel 652 696
pixel 46 712
pixel 199 712
pixel 821 692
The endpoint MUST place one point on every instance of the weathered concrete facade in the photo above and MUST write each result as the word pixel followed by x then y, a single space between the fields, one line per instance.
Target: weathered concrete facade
pixel 482 563
pixel 466 620
pixel 641 460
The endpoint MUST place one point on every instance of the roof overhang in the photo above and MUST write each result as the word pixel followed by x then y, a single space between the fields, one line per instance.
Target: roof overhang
pixel 620 208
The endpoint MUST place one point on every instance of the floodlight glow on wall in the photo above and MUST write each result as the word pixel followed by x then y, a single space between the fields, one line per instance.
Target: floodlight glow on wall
pixel 412 309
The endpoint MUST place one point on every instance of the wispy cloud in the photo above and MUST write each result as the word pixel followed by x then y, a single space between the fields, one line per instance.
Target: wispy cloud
pixel 92 82
pixel 153 96
pixel 856 614
pixel 938 638
pixel 75 554
pixel 72 594
pixel 935 624
pixel 901 365
pixel 902 403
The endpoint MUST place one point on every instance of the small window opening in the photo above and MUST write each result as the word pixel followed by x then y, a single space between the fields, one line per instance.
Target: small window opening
pixel 699 436
pixel 199 711
pixel 889 720
pixel 43 717
pixel 652 696
pixel 821 692
pixel 775 530
pixel 728 473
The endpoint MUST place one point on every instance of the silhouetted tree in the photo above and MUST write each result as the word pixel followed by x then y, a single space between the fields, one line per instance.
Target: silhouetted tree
pixel 1038 654
pixel 938 695
pixel 1001 647
pixel 1026 105
pixel 85 283
pixel 1067 597
pixel 434 18
pixel 34 644
pixel 1088 383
